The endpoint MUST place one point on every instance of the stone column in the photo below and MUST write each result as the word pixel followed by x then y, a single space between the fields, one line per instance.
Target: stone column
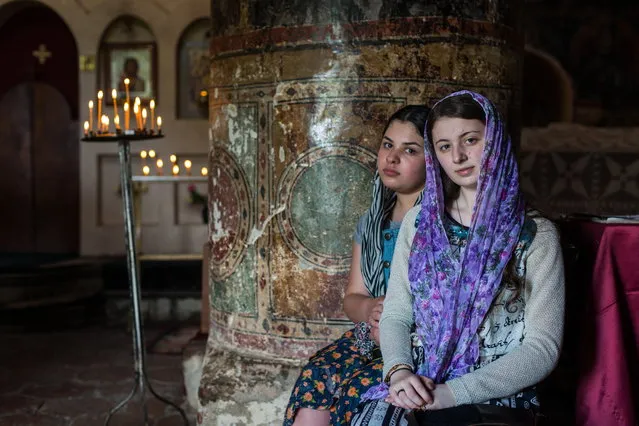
pixel 300 92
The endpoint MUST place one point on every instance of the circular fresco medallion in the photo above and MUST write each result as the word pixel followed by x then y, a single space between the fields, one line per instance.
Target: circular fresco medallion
pixel 230 215
pixel 325 191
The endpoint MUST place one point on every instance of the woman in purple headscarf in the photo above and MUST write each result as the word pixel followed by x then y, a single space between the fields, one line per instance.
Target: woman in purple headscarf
pixel 475 304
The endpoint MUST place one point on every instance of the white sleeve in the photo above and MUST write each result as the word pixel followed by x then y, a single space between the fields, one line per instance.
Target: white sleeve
pixel 397 317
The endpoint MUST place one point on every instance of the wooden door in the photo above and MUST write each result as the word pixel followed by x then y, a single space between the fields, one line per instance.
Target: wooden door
pixel 39 146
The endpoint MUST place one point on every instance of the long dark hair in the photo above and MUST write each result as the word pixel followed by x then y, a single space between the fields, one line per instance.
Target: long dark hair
pixel 464 106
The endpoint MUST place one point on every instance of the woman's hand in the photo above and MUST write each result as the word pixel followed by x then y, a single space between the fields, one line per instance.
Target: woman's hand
pixel 442 398
pixel 410 391
pixel 376 311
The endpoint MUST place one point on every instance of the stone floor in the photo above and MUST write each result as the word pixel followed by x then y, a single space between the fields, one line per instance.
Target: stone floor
pixel 75 377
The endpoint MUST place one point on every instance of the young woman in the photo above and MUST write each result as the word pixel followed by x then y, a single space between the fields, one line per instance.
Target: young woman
pixel 398 186
pixel 478 279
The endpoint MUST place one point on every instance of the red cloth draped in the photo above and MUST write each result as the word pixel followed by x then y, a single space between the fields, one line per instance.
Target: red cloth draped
pixel 607 341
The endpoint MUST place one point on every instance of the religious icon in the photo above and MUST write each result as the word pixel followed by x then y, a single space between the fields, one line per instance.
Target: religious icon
pixel 132 64
pixel 193 70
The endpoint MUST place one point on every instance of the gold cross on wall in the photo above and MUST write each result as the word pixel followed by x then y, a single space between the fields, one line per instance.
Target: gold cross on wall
pixel 42 54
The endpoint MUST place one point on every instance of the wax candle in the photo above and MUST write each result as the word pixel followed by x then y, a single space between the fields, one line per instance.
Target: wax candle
pixel 187 166
pixel 159 164
pixel 126 89
pixel 146 170
pixel 126 116
pixel 144 118
pixel 176 170
pixel 204 171
pixel 136 111
pixel 114 95
pixel 151 154
pixel 159 122
pixel 86 128
pixel 100 95
pixel 91 115
pixel 173 158
pixel 143 155
pixel 152 108
pixel 116 122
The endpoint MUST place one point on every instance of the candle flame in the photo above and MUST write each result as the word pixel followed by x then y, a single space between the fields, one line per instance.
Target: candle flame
pixel 204 171
pixel 100 94
pixel 160 163
pixel 90 104
pixel 114 93
pixel 142 154
pixel 86 125
pixel 143 112
pixel 126 106
pixel 152 153
pixel 146 170
pixel 127 81
pixel 137 100
pixel 159 121
pixel 187 164
pixel 176 169
pixel 152 104
pixel 136 108
pixel 173 158
pixel 116 120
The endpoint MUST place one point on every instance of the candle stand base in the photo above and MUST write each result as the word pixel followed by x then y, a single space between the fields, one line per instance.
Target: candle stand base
pixel 139 353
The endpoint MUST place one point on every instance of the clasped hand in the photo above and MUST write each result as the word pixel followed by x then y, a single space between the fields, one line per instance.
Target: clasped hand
pixel 411 391
pixel 374 317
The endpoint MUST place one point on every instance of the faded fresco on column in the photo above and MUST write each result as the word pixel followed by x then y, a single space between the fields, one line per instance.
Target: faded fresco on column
pixel 232 179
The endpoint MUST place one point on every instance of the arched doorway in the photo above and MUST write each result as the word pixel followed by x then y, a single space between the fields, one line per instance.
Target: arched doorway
pixel 39 147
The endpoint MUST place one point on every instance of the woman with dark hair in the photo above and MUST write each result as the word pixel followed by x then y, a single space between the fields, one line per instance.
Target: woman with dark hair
pixel 398 184
pixel 474 309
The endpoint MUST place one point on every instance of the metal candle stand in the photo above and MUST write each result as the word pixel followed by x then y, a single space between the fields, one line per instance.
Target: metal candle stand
pixel 139 367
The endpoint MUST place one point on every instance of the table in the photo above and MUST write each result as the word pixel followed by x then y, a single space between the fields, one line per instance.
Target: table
pixel 602 321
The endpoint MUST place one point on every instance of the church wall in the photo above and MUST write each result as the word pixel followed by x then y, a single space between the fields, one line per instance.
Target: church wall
pixel 170 225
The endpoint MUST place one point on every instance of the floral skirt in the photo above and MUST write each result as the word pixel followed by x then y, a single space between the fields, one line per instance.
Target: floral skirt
pixel 334 379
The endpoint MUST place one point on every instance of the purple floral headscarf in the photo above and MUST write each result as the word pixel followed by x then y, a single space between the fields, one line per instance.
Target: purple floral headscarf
pixel 452 296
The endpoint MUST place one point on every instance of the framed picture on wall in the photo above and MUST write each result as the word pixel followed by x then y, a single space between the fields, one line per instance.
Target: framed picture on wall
pixel 193 70
pixel 135 61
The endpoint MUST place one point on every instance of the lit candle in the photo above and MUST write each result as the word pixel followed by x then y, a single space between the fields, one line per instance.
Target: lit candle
pixel 116 121
pixel 138 116
pixel 146 170
pixel 105 123
pixel 151 154
pixel 176 170
pixel 159 122
pixel 144 118
pixel 160 164
pixel 152 107
pixel 173 158
pixel 114 95
pixel 100 95
pixel 126 89
pixel 143 155
pixel 136 111
pixel 86 128
pixel 126 116
pixel 91 115
pixel 205 171
pixel 187 166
